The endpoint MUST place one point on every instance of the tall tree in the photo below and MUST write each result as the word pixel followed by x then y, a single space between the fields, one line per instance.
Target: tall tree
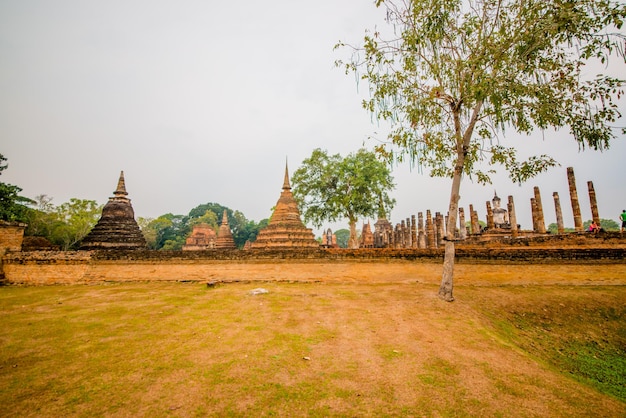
pixel 329 188
pixel 451 75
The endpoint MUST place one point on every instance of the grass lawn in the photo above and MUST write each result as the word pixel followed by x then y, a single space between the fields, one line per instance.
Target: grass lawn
pixel 318 349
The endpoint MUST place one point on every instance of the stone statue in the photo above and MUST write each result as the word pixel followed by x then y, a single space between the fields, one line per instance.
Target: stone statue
pixel 500 215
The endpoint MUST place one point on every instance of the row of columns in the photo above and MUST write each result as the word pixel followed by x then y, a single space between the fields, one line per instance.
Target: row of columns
pixel 429 232
pixel 422 232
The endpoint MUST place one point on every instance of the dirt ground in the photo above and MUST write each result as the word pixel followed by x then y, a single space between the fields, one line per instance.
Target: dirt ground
pixel 328 339
pixel 400 271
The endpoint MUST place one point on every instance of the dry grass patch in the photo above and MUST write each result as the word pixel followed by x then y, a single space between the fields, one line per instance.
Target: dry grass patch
pixel 308 349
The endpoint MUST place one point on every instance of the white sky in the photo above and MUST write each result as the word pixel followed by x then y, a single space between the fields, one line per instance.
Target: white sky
pixel 202 101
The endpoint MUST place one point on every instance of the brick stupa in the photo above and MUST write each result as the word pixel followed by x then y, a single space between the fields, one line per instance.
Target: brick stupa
pixel 224 239
pixel 202 238
pixel 117 228
pixel 285 229
pixel 367 237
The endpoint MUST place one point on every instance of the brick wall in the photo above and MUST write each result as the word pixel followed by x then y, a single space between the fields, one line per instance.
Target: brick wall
pixel 75 267
pixel 11 236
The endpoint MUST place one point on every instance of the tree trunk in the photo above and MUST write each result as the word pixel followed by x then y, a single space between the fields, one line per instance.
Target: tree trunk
pixel 462 144
pixel 445 289
pixel 353 242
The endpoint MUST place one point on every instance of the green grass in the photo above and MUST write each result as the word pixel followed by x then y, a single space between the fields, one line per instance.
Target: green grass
pixel 580 333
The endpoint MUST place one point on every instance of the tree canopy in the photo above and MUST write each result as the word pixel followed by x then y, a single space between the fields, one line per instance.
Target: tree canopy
pixel 451 76
pixel 342 235
pixel 12 205
pixel 169 231
pixel 64 225
pixel 331 187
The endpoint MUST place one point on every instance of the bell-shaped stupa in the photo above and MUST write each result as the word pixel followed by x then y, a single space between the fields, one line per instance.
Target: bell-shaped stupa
pixel 224 239
pixel 285 229
pixel 117 228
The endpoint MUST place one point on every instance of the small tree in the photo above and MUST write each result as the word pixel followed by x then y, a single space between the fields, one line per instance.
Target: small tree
pixel 42 217
pixel 74 220
pixel 455 73
pixel 343 236
pixel 606 224
pixel 553 228
pixel 329 188
pixel 12 205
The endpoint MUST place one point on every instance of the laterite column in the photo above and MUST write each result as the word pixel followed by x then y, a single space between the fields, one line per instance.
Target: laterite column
pixel 594 204
pixel 541 223
pixel 430 231
pixel 560 227
pixel 490 223
pixel 573 194
pixel 421 237
pixel 512 217
pixel 462 228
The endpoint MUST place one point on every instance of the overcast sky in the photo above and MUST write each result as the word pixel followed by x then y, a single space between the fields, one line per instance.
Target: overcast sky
pixel 202 101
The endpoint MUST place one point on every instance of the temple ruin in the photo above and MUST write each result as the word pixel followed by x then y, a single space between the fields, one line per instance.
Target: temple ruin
pixel 224 239
pixel 329 240
pixel 285 229
pixel 367 237
pixel 500 215
pixel 500 223
pixel 117 228
pixel 202 237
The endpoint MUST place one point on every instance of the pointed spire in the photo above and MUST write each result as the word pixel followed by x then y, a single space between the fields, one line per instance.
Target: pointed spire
pixel 121 186
pixel 285 229
pixel 117 228
pixel 224 235
pixel 286 185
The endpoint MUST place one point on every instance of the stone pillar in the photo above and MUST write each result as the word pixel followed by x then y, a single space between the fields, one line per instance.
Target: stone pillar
pixel 533 210
pixel 430 231
pixel 512 217
pixel 399 240
pixel 479 228
pixel 421 236
pixel 413 232
pixel 594 204
pixel 440 229
pixel 407 234
pixel 541 223
pixel 490 224
pixel 578 220
pixel 462 228
pixel 560 227
pixel 474 225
